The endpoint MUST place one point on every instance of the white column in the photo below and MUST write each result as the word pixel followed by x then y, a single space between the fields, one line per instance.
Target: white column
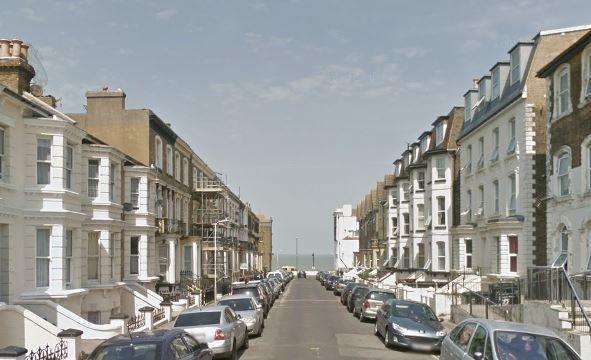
pixel 104 257
pixel 56 251
pixel 196 258
pixel 171 274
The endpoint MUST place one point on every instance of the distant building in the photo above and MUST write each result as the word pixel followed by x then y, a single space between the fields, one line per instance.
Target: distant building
pixel 345 237
pixel 266 242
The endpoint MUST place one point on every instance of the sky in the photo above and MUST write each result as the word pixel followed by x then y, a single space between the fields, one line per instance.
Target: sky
pixel 302 104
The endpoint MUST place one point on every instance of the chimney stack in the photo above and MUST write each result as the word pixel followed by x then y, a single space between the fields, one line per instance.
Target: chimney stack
pixel 15 71
pixel 105 100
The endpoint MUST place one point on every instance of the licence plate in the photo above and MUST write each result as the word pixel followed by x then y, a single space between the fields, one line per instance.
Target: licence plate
pixel 422 346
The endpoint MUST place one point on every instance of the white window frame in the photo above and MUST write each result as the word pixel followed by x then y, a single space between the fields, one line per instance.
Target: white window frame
pixel 513 255
pixel 511 149
pixel 512 206
pixel 496 83
pixel 68 247
pixel 112 173
pixel 134 192
pixel 406 257
pixel 440 167
pixel 586 75
pixel 188 249
pixel 496 206
pixel 563 174
pixel 420 216
pixel 562 106
pixel 441 211
pixel 495 153
pixel 468 253
pixel 394 223
pixel 481 149
pixel 421 180
pixel 439 134
pixel 420 255
pixel 134 257
pixel 185 171
pixel 441 256
pixel 469 196
pixel 159 151
pixel 43 164
pixel 93 179
pixel 469 162
pixel 68 166
pixel 481 194
pixel 169 160
pixel 406 223
pixel 93 257
pixel 42 258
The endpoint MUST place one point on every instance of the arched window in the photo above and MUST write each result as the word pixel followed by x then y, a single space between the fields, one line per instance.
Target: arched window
pixel 564 164
pixel 158 153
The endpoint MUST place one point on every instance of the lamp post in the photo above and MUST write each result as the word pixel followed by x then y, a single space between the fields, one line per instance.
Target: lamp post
pixel 215 257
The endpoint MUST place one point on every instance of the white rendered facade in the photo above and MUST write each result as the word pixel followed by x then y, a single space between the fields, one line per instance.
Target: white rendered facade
pixel 345 237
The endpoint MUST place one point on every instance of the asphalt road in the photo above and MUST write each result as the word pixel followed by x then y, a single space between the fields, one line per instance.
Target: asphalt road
pixel 308 322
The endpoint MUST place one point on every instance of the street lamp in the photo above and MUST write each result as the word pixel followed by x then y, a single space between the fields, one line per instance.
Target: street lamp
pixel 215 257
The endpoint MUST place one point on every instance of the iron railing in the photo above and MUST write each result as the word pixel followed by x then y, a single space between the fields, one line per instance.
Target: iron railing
pixel 58 352
pixel 136 322
pixel 158 314
pixel 481 304
pixel 555 285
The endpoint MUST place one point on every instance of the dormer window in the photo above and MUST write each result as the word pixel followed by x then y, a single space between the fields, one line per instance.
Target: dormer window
pixel 467 108
pixel 496 83
pixel 439 134
pixel 515 66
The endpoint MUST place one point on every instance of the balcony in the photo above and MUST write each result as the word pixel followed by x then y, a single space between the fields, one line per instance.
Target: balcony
pixel 170 226
pixel 209 186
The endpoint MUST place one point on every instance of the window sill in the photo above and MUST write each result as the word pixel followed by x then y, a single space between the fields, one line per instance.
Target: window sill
pixel 419 191
pixel 584 102
pixel 559 117
pixel 440 227
pixel 440 181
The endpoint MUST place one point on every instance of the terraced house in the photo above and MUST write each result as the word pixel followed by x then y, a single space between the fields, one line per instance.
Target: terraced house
pixel 502 230
pixel 568 110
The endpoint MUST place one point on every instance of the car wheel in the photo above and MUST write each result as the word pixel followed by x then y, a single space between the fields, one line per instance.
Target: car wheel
pixel 361 316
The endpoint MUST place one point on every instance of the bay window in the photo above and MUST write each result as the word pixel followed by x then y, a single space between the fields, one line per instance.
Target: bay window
pixel 135 192
pixel 441 210
pixel 134 255
pixel 439 133
pixel 68 256
pixel 92 256
pixel 112 171
pixel 43 160
pixel 68 165
pixel 440 166
pixel 421 180
pixel 513 253
pixel 440 255
pixel 564 163
pixel 42 258
pixel 93 178
pixel 468 243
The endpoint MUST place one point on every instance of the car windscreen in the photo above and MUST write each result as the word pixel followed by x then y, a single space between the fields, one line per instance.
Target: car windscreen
pixel 238 304
pixel 247 291
pixel 380 296
pixel 136 351
pixel 522 345
pixel 413 311
pixel 360 291
pixel 198 319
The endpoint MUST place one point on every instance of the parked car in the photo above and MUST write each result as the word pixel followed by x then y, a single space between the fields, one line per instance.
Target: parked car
pixel 219 326
pixel 268 291
pixel 373 300
pixel 357 294
pixel 301 274
pixel 255 291
pixel 339 286
pixel 347 290
pixel 277 285
pixel 409 324
pixel 249 309
pixel 502 340
pixel 156 344
pixel 330 282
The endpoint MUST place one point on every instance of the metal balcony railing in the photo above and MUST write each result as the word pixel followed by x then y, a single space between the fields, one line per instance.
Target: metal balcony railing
pixel 208 185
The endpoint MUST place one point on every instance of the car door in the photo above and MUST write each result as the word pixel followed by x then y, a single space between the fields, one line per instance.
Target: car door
pixel 477 347
pixel 239 326
pixel 179 349
pixel 456 344
pixel 382 317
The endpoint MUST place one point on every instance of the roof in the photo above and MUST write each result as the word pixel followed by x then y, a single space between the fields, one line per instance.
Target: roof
pixel 565 56
pixel 237 296
pixel 210 308
pixel 144 336
pixel 248 285
pixel 493 325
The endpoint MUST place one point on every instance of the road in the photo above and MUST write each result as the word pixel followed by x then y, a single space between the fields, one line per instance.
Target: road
pixel 308 322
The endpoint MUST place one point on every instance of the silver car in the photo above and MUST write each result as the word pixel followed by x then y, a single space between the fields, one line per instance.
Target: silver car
pixel 481 339
pixel 249 309
pixel 367 308
pixel 409 324
pixel 218 326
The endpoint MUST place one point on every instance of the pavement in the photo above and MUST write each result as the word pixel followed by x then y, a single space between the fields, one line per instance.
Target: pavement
pixel 308 322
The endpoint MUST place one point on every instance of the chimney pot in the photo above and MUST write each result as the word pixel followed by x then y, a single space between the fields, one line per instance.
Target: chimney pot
pixel 4 48
pixel 16 48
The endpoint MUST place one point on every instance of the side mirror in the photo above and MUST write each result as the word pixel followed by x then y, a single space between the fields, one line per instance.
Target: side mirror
pixel 477 355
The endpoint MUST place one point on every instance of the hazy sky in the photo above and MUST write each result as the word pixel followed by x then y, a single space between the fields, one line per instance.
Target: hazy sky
pixel 303 104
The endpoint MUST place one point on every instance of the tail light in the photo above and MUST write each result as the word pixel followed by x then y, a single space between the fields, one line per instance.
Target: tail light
pixel 219 335
pixel 366 304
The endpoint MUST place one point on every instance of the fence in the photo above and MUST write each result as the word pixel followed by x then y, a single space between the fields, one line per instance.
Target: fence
pixel 493 300
pixel 59 352
pixel 553 284
pixel 136 322
pixel 158 314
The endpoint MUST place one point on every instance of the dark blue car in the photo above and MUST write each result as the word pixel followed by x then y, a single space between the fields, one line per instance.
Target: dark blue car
pixel 153 345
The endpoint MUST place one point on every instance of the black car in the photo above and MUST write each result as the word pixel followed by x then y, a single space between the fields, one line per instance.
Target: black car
pixel 359 292
pixel 153 345
pixel 330 282
pixel 301 274
pixel 347 290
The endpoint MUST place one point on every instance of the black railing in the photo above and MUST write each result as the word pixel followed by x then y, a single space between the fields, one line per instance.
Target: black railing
pixel 136 322
pixel 555 285
pixel 480 303
pixel 158 315
pixel 58 352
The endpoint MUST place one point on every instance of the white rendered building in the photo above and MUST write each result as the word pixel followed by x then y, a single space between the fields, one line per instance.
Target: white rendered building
pixel 345 237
